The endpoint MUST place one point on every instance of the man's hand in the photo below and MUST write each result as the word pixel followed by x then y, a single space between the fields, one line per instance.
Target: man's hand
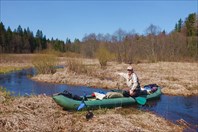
pixel 131 92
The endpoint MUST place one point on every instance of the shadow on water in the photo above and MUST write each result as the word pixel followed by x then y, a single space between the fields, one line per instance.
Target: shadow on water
pixel 170 107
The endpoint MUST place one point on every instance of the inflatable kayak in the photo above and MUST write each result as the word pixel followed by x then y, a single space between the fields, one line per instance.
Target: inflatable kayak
pixel 69 102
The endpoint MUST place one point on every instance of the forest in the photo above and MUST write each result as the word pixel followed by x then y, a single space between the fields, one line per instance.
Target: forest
pixel 181 44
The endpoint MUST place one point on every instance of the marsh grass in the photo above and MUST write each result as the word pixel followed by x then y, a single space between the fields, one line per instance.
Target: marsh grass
pixel 194 87
pixel 44 63
pixel 171 78
pixel 15 58
pixel 52 52
pixel 41 113
pixel 77 66
pixel 8 69
pixel 6 94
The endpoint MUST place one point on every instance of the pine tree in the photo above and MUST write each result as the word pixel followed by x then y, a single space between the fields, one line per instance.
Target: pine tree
pixel 180 25
pixel 190 24
pixel 44 43
pixel 2 37
pixel 8 41
pixel 39 36
pixel 176 27
pixel 20 42
pixel 26 46
pixel 31 40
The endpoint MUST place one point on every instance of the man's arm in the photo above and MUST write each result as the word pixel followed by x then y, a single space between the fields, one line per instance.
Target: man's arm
pixel 124 75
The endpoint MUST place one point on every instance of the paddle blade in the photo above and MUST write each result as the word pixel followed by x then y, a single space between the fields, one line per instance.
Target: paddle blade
pixel 141 100
pixel 82 105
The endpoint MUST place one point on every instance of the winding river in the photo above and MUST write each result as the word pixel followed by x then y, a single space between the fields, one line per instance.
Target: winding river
pixel 172 108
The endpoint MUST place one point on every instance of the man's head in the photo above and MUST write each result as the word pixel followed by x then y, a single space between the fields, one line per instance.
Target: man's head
pixel 130 70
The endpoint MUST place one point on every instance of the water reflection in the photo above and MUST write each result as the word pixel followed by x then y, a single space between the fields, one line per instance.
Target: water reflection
pixel 175 108
pixel 19 83
pixel 170 107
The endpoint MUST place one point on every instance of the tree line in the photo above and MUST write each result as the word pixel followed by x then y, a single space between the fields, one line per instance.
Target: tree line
pixel 154 45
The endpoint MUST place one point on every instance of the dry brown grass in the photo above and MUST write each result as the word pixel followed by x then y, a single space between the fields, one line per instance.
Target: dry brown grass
pixel 19 60
pixel 41 113
pixel 175 78
pixel 44 63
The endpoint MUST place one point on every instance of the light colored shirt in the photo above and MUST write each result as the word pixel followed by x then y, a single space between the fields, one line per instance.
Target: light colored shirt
pixel 131 80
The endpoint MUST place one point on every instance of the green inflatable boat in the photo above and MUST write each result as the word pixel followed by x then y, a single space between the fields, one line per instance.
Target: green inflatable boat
pixel 73 103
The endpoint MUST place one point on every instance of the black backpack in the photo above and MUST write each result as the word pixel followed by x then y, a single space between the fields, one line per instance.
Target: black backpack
pixel 69 95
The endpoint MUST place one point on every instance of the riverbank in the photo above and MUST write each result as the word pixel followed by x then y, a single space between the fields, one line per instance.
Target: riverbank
pixel 41 113
pixel 175 78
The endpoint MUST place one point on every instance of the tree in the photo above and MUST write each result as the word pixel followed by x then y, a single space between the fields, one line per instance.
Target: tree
pixel 190 24
pixel 120 35
pixel 176 27
pixel 20 39
pixel 2 37
pixel 180 22
pixel 39 37
pixel 44 43
pixel 153 30
pixel 20 30
pixel 8 40
pixel 68 44
pixel 90 45
pixel 31 40
pixel 76 46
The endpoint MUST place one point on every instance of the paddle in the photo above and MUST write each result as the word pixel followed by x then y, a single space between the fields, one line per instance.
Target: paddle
pixel 140 100
pixel 82 104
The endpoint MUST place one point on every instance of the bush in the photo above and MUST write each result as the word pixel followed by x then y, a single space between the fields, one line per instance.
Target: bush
pixel 104 56
pixel 45 64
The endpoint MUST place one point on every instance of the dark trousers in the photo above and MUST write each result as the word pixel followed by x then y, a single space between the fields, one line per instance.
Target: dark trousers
pixel 136 93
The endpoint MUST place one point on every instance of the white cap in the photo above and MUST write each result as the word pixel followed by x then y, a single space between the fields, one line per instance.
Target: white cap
pixel 129 68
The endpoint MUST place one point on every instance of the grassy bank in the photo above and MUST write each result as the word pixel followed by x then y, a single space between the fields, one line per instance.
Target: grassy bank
pixel 41 113
pixel 175 78
pixel 14 62
pixel 8 69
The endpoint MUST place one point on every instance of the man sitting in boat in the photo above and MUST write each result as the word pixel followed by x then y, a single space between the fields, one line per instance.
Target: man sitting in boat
pixel 132 82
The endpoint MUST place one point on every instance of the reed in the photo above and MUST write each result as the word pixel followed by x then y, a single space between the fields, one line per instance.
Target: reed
pixel 76 65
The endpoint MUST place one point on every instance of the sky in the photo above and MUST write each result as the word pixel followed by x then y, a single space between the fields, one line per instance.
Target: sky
pixel 74 19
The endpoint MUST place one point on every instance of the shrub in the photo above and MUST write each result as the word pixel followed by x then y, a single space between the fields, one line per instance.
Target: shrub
pixel 45 64
pixel 103 56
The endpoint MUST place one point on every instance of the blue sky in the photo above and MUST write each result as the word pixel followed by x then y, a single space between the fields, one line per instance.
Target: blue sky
pixel 73 19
